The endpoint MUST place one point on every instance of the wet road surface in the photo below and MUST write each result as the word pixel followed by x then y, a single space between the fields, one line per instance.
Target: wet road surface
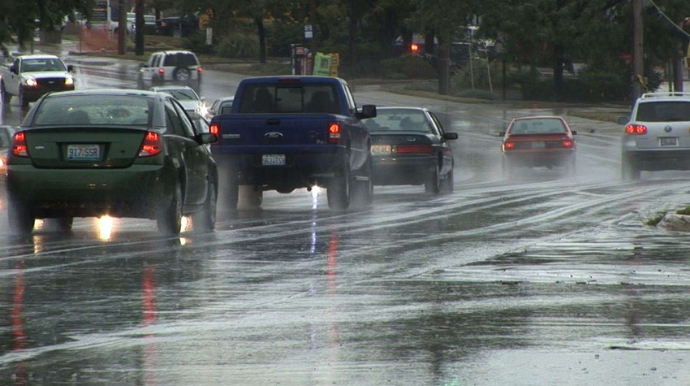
pixel 542 279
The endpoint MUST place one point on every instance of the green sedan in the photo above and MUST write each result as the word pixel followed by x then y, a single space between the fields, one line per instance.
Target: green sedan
pixel 120 153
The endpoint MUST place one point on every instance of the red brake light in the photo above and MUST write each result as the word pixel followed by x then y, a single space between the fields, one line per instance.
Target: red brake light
pixel 568 143
pixel 635 129
pixel 334 133
pixel 161 71
pixel 414 47
pixel 411 149
pixel 214 129
pixel 19 148
pixel 151 146
pixel 509 145
pixel 199 69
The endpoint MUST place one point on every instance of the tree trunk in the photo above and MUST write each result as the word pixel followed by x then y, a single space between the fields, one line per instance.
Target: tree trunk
pixel 558 65
pixel 262 38
pixel 443 65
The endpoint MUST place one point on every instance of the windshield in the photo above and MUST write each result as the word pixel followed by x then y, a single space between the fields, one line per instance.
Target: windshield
pixel 38 65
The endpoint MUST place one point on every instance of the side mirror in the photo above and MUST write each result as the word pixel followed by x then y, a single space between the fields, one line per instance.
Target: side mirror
pixel 13 69
pixel 574 132
pixel 70 68
pixel 368 111
pixel 206 138
pixel 450 136
pixel 622 120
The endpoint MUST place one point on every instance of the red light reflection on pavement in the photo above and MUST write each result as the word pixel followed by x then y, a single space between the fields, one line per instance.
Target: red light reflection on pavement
pixel 18 324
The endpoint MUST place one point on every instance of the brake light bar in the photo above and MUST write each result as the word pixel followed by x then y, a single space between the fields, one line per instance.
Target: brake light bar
pixel 334 133
pixel 152 145
pixel 636 129
pixel 19 148
pixel 413 149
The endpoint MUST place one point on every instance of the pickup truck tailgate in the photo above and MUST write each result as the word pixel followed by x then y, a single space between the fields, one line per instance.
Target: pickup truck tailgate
pixel 274 131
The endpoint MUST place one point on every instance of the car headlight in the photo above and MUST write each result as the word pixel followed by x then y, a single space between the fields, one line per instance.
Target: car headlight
pixel 69 81
pixel 31 82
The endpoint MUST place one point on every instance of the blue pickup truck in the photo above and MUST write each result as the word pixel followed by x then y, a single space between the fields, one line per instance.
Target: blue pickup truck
pixel 289 132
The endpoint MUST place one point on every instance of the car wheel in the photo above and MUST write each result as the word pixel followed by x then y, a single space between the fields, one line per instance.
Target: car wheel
pixel 20 218
pixel 251 197
pixel 232 191
pixel 363 188
pixel 433 182
pixel 448 183
pixel 60 224
pixel 6 97
pixel 182 74
pixel 629 172
pixel 338 191
pixel 205 220
pixel 170 217
pixel 22 100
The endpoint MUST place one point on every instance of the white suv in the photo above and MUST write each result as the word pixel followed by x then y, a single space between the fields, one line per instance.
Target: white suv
pixel 171 67
pixel 656 134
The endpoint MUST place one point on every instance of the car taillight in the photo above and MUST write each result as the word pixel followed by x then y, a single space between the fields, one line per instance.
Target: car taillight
pixel 635 129
pixel 568 143
pixel 199 69
pixel 509 145
pixel 161 71
pixel 19 148
pixel 413 149
pixel 334 133
pixel 214 129
pixel 152 145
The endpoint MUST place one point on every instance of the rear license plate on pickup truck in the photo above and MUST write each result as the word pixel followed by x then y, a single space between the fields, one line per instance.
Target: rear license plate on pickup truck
pixel 273 160
pixel 668 141
pixel 83 152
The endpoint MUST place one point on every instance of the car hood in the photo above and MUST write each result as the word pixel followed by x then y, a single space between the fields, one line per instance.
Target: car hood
pixel 47 74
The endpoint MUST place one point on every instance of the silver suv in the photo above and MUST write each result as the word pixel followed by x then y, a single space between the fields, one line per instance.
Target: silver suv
pixel 656 134
pixel 171 68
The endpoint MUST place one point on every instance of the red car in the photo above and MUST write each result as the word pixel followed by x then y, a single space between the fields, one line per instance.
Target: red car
pixel 538 141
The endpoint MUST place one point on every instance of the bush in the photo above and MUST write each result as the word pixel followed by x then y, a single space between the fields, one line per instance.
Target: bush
pixel 476 94
pixel 196 42
pixel 406 67
pixel 239 46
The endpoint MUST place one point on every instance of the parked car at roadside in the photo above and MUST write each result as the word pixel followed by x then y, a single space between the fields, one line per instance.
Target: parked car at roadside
pixel 538 141
pixel 177 26
pixel 410 147
pixel 122 153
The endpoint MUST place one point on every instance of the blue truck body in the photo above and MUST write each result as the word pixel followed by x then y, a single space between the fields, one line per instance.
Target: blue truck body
pixel 290 132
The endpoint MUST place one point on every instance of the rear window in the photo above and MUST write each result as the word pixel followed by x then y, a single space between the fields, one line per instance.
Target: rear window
pixel 538 126
pixel 669 111
pixel 289 98
pixel 183 59
pixel 399 120
pixel 94 110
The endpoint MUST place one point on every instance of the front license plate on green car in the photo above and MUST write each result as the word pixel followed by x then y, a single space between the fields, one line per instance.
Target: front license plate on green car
pixel 83 152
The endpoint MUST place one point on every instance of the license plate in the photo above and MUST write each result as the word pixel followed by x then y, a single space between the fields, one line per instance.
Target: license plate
pixel 380 149
pixel 538 145
pixel 273 160
pixel 668 141
pixel 83 152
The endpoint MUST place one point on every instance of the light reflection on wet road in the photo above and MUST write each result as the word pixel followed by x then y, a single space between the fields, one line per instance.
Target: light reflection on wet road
pixel 544 279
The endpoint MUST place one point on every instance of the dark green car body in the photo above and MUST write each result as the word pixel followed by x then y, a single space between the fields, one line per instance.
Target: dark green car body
pixel 121 153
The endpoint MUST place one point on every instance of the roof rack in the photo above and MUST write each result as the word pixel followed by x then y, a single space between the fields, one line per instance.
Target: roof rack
pixel 665 94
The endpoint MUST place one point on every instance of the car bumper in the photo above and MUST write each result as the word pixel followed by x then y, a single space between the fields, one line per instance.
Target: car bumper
pixel 659 160
pixel 32 94
pixel 403 170
pixel 137 191
pixel 539 159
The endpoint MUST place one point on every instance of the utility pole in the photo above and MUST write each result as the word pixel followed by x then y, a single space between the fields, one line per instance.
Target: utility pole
pixel 139 27
pixel 121 27
pixel 638 50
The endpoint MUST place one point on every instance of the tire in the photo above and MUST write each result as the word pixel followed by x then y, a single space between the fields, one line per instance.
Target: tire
pixel 251 197
pixel 60 224
pixel 363 188
pixel 6 97
pixel 204 221
pixel 338 192
pixel 432 185
pixel 170 217
pixel 20 219
pixel 22 101
pixel 629 172
pixel 182 74
pixel 448 183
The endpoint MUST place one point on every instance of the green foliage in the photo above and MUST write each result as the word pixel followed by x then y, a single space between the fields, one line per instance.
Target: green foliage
pixel 407 67
pixel 197 42
pixel 654 221
pixel 239 46
pixel 282 35
pixel 476 94
pixel 483 73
